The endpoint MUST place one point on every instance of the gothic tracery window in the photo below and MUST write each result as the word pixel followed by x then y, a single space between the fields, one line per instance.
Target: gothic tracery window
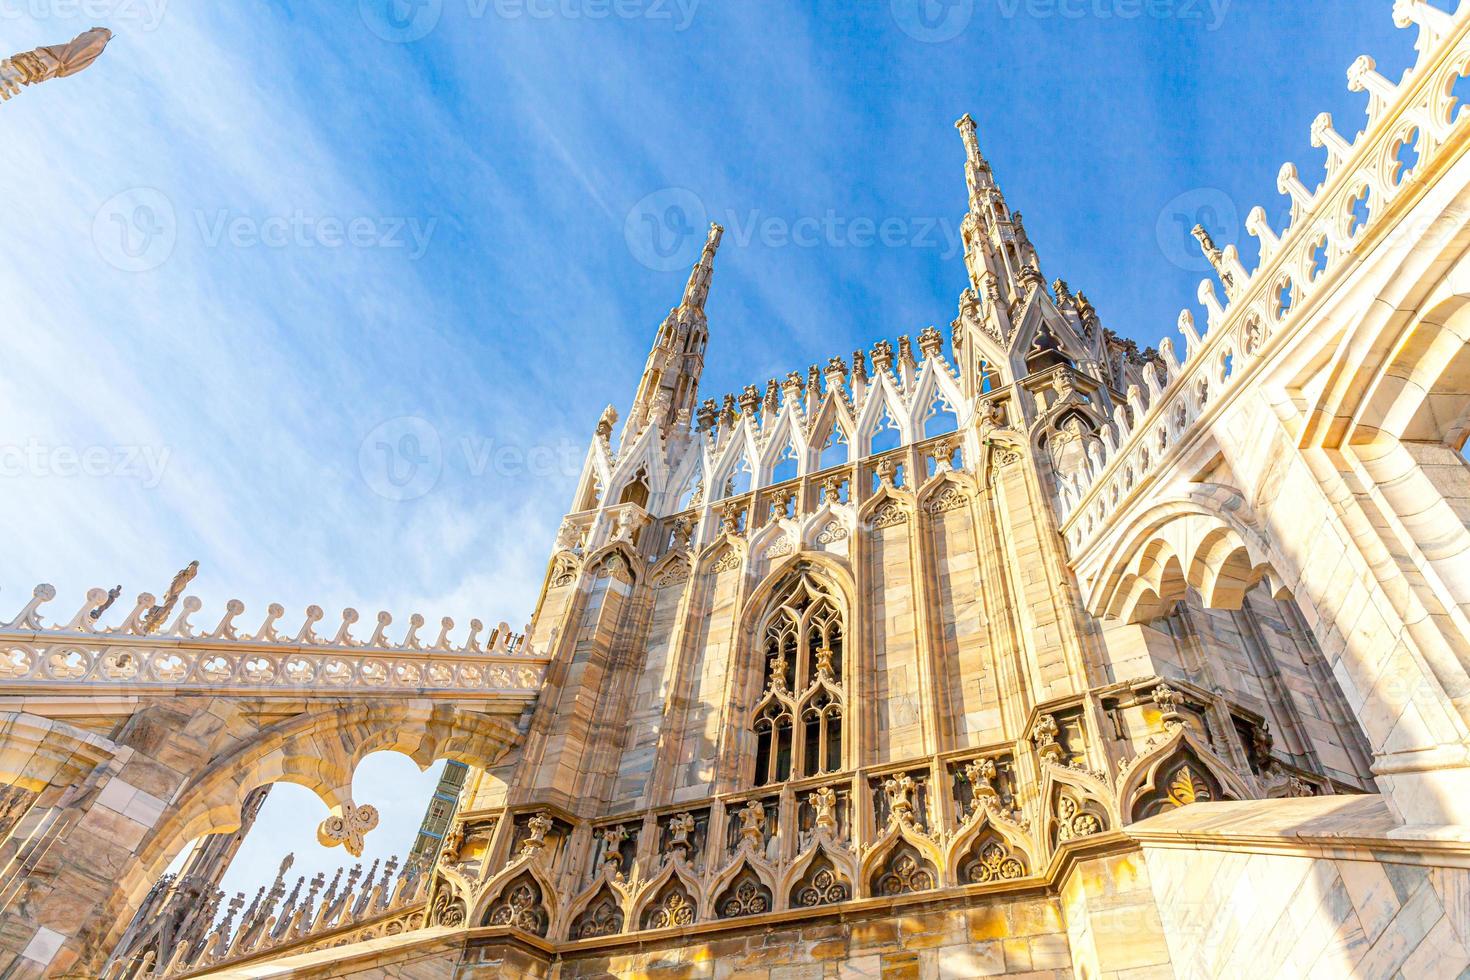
pixel 798 717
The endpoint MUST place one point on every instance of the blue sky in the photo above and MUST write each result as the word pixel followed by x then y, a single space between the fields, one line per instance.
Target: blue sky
pixel 255 241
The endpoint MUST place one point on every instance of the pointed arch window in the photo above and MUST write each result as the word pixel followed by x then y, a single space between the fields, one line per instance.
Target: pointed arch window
pixel 798 718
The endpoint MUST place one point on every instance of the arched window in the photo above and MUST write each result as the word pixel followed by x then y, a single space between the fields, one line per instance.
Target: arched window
pixel 636 492
pixel 798 717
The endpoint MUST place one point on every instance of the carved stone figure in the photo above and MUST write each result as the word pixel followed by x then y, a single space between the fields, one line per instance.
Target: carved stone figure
pixel 55 61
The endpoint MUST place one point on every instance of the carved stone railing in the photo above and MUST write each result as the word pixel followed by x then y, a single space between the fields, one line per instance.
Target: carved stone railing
pixel 1408 125
pixel 81 655
pixel 362 909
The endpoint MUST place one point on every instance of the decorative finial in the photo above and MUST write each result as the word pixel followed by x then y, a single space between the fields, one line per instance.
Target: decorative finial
pixel 697 291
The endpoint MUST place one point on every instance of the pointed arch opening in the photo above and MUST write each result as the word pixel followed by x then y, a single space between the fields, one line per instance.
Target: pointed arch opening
pixel 798 719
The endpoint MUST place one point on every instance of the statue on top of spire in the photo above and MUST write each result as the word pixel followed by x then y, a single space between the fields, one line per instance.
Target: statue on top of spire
pixel 55 61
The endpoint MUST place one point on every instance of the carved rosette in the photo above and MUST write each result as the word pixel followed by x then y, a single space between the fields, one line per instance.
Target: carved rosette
pixel 747 895
pixel 905 871
pixel 602 917
pixel 673 907
pixel 520 907
pixel 821 885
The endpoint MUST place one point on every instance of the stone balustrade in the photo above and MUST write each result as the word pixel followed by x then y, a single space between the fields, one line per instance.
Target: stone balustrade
pixel 81 654
pixel 1367 178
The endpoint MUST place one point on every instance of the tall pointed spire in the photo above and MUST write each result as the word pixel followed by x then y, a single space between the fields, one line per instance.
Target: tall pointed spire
pixel 697 289
pixel 671 377
pixel 996 246
pixel 978 175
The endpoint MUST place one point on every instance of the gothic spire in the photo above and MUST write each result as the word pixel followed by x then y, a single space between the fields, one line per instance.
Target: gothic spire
pixel 671 377
pixel 697 289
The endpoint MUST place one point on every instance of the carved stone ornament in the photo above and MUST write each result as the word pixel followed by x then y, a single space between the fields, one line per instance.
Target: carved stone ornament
pixel 675 572
pixel 681 827
pixel 348 828
pixel 520 907
pixel 1044 734
pixel 821 885
pixel 729 561
pixel 752 818
pixel 905 872
pixel 673 907
pixel 948 499
pixel 899 790
pixel 981 775
pixel 1075 819
pixel 780 547
pixel 888 515
pixel 603 917
pixel 833 532
pixel 448 911
pixel 992 861
pixel 564 573
pixel 824 802
pixel 745 896
pixel 536 830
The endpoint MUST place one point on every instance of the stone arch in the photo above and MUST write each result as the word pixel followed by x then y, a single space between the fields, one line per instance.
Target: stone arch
pixel 524 902
pixel 977 835
pixel 885 508
pixel 599 913
pixel 1075 805
pixel 819 877
pixel 940 492
pixel 1176 771
pixel 618 560
pixel 1178 545
pixel 1420 392
pixel 746 891
pixel 831 575
pixel 670 901
pixel 904 867
pixel 319 750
